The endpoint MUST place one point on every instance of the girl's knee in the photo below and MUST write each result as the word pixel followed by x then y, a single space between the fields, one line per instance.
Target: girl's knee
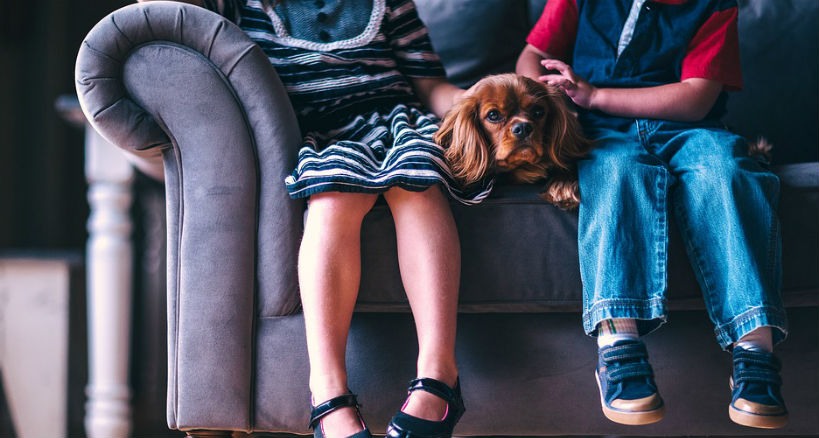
pixel 341 205
pixel 432 195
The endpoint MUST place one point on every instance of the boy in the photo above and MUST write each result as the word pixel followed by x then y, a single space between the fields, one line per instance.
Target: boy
pixel 648 78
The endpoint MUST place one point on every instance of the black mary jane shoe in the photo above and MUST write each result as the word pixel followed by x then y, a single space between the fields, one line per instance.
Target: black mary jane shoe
pixel 407 426
pixel 323 409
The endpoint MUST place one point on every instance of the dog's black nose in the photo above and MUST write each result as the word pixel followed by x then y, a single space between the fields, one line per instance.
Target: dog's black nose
pixel 522 129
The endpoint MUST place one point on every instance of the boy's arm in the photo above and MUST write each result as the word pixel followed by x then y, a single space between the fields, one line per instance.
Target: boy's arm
pixel 529 62
pixel 686 101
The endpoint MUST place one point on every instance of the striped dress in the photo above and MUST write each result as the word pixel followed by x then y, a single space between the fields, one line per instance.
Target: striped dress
pixel 346 65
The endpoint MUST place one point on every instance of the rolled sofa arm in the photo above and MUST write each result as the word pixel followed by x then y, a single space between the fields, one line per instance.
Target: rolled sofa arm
pixel 177 84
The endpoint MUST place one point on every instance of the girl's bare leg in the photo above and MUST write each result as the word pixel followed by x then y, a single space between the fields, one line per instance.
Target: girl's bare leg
pixel 329 276
pixel 430 260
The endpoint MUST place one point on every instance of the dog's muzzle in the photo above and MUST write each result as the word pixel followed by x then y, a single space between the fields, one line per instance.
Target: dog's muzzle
pixel 518 157
pixel 522 130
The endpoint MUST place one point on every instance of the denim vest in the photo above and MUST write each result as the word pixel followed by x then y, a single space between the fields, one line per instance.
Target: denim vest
pixel 658 41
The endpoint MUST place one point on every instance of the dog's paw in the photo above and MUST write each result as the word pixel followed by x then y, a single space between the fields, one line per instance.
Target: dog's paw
pixel 564 194
pixel 760 149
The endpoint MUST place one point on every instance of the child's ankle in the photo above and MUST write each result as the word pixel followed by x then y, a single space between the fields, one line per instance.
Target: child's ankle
pixel 611 331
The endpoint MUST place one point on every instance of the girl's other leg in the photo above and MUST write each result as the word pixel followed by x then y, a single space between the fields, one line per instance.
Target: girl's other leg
pixel 430 260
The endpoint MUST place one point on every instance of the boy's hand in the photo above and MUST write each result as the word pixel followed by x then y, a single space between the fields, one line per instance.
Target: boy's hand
pixel 689 100
pixel 578 90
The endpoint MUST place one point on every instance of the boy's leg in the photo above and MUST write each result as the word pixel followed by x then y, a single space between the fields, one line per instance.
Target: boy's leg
pixel 612 331
pixel 725 205
pixel 761 339
pixel 622 231
pixel 622 240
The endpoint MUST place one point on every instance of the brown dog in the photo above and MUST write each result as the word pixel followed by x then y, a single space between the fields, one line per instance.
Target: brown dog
pixel 515 125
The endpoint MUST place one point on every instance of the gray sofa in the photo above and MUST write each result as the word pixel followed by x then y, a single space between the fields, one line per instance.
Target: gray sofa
pixel 186 95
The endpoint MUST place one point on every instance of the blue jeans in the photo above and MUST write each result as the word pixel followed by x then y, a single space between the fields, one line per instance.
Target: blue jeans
pixel 724 203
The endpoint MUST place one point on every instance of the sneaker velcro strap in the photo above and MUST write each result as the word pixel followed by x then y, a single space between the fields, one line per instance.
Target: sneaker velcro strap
pixel 432 386
pixel 759 359
pixel 625 353
pixel 756 375
pixel 342 401
pixel 629 371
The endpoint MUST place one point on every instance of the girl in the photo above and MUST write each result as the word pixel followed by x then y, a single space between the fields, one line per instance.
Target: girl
pixel 360 74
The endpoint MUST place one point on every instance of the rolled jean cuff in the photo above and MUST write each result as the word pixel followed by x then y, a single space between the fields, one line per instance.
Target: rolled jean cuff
pixel 650 314
pixel 751 320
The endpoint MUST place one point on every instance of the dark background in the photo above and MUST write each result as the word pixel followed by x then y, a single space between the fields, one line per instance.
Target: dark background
pixel 42 187
pixel 43 205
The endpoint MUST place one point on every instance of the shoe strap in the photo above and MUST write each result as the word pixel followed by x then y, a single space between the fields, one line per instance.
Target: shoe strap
pixel 760 359
pixel 630 352
pixel 629 371
pixel 756 367
pixel 757 376
pixel 435 387
pixel 342 401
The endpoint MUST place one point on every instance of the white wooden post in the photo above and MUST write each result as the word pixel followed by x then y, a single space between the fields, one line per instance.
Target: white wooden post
pixel 109 255
pixel 34 297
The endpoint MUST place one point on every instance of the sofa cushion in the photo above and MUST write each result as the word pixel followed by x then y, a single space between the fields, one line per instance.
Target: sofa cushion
pixel 519 254
pixel 501 269
pixel 799 217
pixel 772 41
pixel 475 38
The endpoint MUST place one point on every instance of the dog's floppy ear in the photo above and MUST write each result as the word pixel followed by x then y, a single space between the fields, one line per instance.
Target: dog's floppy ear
pixel 467 149
pixel 565 142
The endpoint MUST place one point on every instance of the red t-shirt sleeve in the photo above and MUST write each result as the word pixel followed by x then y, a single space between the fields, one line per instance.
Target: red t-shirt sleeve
pixel 556 29
pixel 714 51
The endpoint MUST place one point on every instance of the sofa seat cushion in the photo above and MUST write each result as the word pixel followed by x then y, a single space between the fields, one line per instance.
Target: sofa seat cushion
pixel 799 221
pixel 519 254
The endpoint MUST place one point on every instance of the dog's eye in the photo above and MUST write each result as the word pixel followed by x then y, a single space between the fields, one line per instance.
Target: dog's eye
pixel 494 116
pixel 538 112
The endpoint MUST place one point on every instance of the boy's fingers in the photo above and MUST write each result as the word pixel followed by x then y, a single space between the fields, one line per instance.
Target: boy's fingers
pixel 558 81
pixel 560 66
pixel 567 85
pixel 554 64
pixel 551 78
pixel 556 78
pixel 553 61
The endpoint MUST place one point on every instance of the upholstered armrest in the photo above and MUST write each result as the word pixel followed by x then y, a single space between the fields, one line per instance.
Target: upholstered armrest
pixel 176 84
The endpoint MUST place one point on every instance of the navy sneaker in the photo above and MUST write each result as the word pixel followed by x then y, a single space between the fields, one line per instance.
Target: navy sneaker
pixel 755 399
pixel 626 381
